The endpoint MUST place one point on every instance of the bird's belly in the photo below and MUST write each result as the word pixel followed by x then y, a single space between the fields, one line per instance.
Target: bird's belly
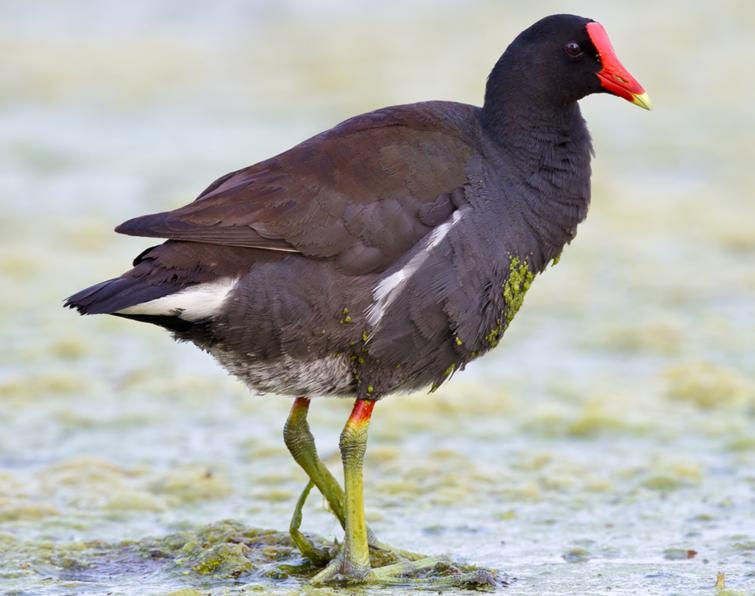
pixel 285 375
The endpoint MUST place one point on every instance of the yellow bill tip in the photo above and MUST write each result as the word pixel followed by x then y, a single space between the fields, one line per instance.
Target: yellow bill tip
pixel 642 100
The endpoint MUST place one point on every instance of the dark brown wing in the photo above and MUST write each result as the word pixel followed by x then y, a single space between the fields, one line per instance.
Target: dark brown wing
pixel 362 193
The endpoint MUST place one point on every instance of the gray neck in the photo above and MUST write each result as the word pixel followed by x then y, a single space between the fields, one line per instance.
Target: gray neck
pixel 546 150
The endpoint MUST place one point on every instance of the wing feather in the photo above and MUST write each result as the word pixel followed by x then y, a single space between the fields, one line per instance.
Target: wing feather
pixel 361 193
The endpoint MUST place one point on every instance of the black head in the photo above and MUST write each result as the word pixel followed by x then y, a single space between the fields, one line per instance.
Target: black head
pixel 559 60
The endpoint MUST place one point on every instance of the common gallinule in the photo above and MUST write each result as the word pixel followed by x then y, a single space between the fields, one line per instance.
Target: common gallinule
pixel 383 254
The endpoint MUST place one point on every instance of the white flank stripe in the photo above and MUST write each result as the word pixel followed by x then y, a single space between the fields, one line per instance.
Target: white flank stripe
pixel 192 304
pixel 390 287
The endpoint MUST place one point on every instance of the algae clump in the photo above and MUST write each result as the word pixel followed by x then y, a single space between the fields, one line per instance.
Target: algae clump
pixel 576 554
pixel 515 287
pixel 708 385
pixel 222 560
pixel 193 483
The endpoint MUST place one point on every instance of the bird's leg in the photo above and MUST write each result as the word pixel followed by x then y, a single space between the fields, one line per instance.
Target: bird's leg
pixel 352 565
pixel 301 444
pixel 353 446
pixel 353 562
pixel 316 555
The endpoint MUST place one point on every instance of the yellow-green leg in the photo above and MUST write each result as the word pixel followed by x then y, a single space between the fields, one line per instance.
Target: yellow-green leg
pixel 353 445
pixel 300 442
pixel 352 564
pixel 318 556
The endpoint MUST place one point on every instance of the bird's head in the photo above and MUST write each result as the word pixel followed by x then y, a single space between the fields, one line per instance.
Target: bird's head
pixel 562 58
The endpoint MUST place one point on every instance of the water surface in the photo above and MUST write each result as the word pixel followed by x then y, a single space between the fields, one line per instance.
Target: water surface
pixel 607 446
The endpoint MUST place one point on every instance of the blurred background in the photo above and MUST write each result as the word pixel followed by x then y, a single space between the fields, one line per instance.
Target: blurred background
pixel 608 444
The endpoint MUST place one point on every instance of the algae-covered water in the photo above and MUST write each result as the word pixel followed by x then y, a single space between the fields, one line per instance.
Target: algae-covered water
pixel 606 447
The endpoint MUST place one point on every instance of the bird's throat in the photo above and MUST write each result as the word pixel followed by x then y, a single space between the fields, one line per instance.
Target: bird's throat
pixel 528 130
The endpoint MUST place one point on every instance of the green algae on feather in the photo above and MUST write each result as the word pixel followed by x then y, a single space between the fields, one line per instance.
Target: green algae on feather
pixel 514 288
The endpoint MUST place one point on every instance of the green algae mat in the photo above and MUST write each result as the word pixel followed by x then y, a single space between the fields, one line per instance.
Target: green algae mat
pixel 223 556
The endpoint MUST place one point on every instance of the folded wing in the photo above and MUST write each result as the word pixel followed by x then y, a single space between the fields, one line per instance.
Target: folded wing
pixel 360 194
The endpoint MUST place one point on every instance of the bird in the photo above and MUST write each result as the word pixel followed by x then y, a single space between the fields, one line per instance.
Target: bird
pixel 381 255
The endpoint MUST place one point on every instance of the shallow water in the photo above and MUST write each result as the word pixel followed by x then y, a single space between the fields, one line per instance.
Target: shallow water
pixel 607 446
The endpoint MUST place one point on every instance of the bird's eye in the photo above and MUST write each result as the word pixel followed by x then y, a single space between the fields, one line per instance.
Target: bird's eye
pixel 572 49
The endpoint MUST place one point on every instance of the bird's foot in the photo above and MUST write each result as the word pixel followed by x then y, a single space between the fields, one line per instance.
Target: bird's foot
pixel 426 573
pixel 381 554
pixel 342 570
pixel 317 556
pixel 435 573
pixel 388 565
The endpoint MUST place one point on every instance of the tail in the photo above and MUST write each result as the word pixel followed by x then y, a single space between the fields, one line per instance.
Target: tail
pixel 113 295
pixel 146 282
pixel 176 285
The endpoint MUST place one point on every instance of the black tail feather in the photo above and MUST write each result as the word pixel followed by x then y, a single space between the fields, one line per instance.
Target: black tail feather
pixel 116 294
pixel 169 322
